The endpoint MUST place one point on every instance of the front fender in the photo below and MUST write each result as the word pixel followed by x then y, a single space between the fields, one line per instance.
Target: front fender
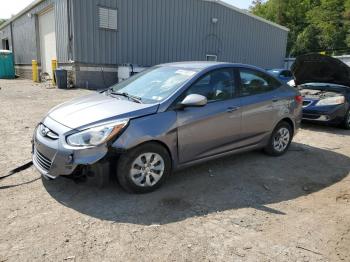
pixel 161 127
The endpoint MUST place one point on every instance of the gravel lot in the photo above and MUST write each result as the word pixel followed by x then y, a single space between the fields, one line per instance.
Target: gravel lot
pixel 248 207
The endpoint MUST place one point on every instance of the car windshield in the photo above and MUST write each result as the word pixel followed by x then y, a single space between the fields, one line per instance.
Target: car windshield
pixel 154 85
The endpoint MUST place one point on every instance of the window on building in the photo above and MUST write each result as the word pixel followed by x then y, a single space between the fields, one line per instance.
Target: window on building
pixel 213 58
pixel 108 18
pixel 5 44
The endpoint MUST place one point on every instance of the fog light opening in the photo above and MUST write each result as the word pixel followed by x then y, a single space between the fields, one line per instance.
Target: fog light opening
pixel 70 159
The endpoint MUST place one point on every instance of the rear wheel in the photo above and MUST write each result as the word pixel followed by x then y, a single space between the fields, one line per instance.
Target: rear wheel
pixel 280 140
pixel 346 123
pixel 144 169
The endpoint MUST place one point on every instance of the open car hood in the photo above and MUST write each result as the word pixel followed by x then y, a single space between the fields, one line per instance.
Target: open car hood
pixel 316 68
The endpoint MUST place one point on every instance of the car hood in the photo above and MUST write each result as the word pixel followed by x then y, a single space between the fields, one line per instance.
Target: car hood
pixel 92 109
pixel 316 68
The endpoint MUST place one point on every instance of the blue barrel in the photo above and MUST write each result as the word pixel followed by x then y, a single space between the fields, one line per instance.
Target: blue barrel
pixel 7 65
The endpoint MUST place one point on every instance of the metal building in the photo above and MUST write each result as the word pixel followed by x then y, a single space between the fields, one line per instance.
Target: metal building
pixel 90 38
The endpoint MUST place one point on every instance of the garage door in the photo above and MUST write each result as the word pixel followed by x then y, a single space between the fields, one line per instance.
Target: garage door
pixel 47 40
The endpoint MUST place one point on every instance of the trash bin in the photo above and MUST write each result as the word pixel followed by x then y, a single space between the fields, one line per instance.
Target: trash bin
pixel 61 78
pixel 7 67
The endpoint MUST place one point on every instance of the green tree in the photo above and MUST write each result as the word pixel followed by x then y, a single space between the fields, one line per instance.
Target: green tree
pixel 328 19
pixel 290 13
pixel 314 25
pixel 346 17
pixel 2 21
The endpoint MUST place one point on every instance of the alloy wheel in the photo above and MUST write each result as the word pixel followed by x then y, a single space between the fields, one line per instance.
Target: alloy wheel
pixel 281 139
pixel 147 169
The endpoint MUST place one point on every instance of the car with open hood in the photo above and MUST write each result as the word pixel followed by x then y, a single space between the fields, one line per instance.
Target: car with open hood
pixel 165 118
pixel 324 83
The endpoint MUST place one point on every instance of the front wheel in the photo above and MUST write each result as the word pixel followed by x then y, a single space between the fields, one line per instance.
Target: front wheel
pixel 144 169
pixel 280 140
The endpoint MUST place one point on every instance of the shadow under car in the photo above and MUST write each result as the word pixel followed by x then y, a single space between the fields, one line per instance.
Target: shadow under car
pixel 246 180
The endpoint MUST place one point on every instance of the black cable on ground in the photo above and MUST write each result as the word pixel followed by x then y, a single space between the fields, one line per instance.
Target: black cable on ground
pixel 18 169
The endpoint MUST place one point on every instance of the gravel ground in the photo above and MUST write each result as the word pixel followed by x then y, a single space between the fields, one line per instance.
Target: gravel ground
pixel 248 207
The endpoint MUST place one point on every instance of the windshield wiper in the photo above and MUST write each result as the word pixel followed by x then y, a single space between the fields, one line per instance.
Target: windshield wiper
pixel 133 98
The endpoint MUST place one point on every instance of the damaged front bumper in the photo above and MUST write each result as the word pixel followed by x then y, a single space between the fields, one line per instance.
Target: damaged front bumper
pixel 53 157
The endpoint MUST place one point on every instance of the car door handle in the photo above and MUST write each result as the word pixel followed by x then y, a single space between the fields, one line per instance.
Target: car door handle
pixel 232 109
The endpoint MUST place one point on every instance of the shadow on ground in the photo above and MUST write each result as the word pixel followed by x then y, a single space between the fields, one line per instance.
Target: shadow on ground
pixel 329 129
pixel 247 180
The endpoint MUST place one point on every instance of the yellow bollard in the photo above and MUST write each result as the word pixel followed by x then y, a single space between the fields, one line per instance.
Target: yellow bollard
pixel 35 71
pixel 54 67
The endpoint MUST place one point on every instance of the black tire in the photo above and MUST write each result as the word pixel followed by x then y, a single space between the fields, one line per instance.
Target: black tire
pixel 270 149
pixel 126 161
pixel 346 123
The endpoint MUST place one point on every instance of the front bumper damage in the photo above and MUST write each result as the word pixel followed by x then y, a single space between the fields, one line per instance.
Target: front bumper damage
pixel 54 157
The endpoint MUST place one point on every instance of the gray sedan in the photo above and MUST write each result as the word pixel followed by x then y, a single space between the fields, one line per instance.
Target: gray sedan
pixel 168 117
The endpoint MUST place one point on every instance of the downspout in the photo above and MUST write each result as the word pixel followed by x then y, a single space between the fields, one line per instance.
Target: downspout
pixel 12 43
pixel 70 35
pixel 70 48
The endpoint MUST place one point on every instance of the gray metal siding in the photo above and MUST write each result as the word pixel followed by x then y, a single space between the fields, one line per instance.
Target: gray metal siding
pixel 62 36
pixel 157 31
pixel 24 28
pixel 24 40
pixel 25 35
pixel 91 44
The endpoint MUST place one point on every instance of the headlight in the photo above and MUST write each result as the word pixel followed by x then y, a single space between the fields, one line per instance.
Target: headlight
pixel 97 135
pixel 291 83
pixel 337 100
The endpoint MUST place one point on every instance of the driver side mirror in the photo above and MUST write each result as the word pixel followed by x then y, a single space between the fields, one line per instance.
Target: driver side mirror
pixel 193 100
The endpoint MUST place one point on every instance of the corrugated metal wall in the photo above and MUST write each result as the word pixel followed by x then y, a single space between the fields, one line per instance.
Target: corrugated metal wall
pixel 24 40
pixel 24 31
pixel 62 36
pixel 152 32
pixel 92 45
pixel 157 31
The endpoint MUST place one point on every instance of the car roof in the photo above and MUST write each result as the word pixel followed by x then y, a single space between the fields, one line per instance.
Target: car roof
pixel 202 65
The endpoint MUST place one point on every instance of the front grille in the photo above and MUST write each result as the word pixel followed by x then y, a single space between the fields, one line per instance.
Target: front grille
pixel 311 116
pixel 42 161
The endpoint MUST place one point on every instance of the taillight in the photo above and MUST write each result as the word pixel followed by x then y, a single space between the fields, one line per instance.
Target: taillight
pixel 299 99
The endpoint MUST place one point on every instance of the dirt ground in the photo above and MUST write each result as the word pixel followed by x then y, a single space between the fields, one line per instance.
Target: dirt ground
pixel 248 207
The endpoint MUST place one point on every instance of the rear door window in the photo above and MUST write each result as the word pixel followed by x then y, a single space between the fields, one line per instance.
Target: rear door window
pixel 254 82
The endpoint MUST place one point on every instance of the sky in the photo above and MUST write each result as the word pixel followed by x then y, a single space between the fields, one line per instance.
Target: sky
pixel 12 7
